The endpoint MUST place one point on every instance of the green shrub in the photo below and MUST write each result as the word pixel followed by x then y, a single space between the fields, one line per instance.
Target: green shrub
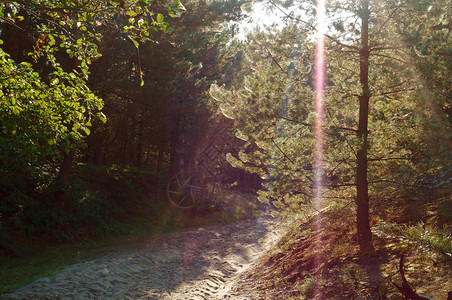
pixel 429 238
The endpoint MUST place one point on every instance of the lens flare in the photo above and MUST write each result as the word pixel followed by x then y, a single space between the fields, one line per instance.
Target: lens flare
pixel 318 126
pixel 319 98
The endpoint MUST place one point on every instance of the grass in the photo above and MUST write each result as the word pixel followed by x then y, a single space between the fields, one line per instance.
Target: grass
pixel 38 262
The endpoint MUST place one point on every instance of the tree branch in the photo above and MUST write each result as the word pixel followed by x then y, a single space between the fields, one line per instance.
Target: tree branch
pixel 406 289
pixel 394 92
pixel 285 155
pixel 298 122
pixel 388 158
pixel 390 57
pixel 406 184
pixel 383 25
pixel 274 60
pixel 310 125
pixel 312 27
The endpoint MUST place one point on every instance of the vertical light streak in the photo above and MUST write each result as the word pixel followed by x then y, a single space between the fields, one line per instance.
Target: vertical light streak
pixel 319 101
pixel 318 128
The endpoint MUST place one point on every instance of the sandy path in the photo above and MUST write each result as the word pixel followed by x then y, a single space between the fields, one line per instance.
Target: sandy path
pixel 190 264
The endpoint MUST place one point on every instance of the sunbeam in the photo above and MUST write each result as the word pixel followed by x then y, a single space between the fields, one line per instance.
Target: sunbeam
pixel 318 126
pixel 319 97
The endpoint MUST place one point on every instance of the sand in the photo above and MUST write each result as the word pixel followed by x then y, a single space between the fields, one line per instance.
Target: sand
pixel 202 263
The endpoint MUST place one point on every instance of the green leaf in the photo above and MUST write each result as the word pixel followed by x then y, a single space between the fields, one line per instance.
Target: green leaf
pixel 102 117
pixel 54 81
pixel 142 82
pixel 134 42
pixel 131 13
pixel 160 18
pixel 51 40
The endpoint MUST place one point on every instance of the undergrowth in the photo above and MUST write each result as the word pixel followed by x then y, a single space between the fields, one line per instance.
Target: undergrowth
pixel 436 241
pixel 100 201
pixel 323 262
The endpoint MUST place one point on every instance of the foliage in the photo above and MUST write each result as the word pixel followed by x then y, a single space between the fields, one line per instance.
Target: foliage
pixel 54 82
pixel 64 65
pixel 40 119
pixel 101 201
pixel 86 215
pixel 48 106
pixel 429 238
pixel 429 40
pixel 407 135
pixel 168 116
pixel 265 107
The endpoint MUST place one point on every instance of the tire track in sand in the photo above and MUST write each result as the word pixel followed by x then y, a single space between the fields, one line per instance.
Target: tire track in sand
pixel 202 263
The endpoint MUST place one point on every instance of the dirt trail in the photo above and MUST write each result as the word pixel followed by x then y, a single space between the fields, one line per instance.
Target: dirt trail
pixel 190 264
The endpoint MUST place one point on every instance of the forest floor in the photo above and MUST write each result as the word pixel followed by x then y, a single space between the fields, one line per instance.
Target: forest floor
pixel 325 263
pixel 202 263
pixel 224 254
pixel 256 258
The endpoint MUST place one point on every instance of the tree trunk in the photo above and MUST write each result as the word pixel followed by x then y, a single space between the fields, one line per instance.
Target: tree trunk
pixel 362 194
pixel 140 143
pixel 148 155
pixel 159 165
pixel 125 141
pixel 62 179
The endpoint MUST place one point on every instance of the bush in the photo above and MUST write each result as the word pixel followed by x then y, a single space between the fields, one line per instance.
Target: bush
pixel 431 239
pixel 100 201
pixel 87 214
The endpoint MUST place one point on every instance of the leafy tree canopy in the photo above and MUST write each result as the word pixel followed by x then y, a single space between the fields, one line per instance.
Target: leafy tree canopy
pixel 47 49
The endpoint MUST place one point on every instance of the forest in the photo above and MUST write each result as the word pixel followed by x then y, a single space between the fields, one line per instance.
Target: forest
pixel 133 118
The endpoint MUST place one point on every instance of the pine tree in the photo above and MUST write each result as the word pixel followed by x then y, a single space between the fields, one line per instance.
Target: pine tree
pixel 375 131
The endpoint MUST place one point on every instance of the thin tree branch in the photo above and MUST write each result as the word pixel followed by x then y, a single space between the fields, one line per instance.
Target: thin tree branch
pixel 298 122
pixel 383 25
pixel 395 86
pixel 338 185
pixel 390 57
pixel 285 155
pixel 389 158
pixel 310 125
pixel 387 48
pixel 276 62
pixel 406 184
pixel 394 92
pixel 11 23
pixel 312 27
pixel 343 128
